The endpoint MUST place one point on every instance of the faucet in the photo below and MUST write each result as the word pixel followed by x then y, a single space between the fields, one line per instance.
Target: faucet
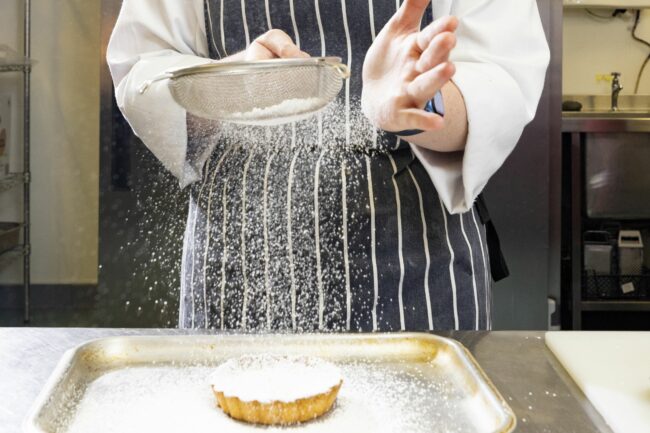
pixel 616 89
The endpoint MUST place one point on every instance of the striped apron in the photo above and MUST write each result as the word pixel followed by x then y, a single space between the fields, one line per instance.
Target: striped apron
pixel 324 224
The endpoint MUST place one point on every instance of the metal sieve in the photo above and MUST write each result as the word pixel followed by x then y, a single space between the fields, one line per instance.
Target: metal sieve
pixel 262 92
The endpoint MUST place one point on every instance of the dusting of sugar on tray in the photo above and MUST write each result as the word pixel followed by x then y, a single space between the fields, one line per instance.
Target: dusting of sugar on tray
pixel 375 397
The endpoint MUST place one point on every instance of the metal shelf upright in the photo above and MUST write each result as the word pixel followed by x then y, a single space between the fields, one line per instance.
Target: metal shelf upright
pixel 23 177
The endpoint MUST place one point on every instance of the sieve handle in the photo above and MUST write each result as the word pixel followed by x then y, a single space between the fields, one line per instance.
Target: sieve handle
pixel 144 86
pixel 342 69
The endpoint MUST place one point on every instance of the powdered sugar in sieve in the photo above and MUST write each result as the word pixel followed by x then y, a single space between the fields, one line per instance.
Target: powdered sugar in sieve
pixel 290 110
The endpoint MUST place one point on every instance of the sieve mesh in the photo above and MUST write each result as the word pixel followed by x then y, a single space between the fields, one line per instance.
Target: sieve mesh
pixel 266 92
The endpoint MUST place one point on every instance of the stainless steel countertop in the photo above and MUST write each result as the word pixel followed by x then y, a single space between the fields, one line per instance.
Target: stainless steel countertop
pixel 535 385
pixel 594 122
pixel 596 114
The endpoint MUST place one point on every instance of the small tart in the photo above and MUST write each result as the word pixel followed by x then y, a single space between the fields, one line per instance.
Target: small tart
pixel 274 389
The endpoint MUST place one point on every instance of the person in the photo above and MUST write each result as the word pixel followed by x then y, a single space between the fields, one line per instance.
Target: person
pixel 365 217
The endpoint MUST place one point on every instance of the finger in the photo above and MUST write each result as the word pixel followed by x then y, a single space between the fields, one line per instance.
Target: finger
pixel 280 44
pixel 437 52
pixel 426 35
pixel 415 118
pixel 257 51
pixel 425 86
pixel 409 15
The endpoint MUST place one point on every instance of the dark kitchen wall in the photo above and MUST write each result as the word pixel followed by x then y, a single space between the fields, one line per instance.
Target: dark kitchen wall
pixel 142 212
pixel 524 201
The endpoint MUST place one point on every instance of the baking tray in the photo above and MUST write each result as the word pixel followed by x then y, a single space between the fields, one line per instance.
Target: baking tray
pixel 392 382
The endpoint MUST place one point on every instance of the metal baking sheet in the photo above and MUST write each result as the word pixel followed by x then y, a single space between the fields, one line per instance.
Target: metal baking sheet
pixel 392 383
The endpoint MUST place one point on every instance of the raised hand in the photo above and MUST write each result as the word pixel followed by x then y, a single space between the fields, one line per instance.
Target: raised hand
pixel 405 67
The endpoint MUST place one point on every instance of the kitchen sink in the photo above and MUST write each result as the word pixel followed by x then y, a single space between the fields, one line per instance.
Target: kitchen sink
pixel 629 106
pixel 608 114
pixel 596 114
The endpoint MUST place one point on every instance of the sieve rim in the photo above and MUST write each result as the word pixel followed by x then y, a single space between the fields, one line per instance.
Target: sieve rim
pixel 241 67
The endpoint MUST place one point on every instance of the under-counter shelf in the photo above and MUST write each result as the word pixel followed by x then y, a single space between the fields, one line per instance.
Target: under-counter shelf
pixel 615 306
pixel 615 287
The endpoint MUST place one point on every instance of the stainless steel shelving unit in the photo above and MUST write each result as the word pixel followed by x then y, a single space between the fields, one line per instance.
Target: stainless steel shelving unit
pixel 24 249
pixel 575 126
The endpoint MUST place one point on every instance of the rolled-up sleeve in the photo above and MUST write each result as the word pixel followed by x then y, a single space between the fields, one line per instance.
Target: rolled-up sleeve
pixel 151 36
pixel 501 59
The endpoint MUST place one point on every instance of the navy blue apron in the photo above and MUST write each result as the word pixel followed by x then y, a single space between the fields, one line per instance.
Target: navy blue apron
pixel 324 224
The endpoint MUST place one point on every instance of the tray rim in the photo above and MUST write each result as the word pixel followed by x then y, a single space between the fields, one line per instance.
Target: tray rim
pixel 66 362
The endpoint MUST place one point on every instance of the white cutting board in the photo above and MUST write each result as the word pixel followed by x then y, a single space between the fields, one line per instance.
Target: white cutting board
pixel 613 371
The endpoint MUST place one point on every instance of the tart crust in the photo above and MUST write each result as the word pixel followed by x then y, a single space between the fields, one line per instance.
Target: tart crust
pixel 278 412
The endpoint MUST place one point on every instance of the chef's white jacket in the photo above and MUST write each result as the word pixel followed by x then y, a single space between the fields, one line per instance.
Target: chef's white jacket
pixel 501 59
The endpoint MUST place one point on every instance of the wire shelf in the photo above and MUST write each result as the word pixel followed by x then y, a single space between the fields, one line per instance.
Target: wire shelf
pixel 10 256
pixel 10 181
pixel 598 287
pixel 11 67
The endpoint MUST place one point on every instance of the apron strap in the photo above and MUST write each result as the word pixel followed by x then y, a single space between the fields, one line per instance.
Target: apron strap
pixel 498 265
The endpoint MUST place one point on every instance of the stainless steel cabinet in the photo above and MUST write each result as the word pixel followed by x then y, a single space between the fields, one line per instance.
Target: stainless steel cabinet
pixel 617 175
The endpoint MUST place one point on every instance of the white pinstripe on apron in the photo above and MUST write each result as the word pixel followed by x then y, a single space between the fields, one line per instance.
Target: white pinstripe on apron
pixel 325 224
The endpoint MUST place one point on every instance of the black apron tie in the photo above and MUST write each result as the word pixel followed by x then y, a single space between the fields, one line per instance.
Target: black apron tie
pixel 498 265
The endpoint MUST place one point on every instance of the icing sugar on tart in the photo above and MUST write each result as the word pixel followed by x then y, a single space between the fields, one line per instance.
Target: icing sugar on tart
pixel 275 389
